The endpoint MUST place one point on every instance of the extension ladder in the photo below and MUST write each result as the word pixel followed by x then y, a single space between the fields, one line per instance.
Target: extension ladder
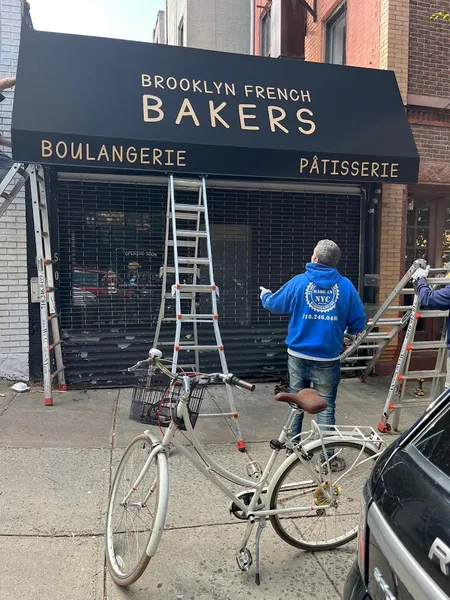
pixel 373 343
pixel 188 254
pixel 11 184
pixel 397 398
pixel 51 340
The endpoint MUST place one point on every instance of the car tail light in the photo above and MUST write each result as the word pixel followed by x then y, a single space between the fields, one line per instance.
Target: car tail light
pixel 362 536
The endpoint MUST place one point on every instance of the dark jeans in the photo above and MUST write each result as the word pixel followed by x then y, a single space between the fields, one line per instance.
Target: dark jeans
pixel 324 377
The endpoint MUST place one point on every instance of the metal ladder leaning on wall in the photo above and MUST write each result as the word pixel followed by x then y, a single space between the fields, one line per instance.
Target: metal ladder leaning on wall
pixel 397 398
pixel 187 237
pixel 10 186
pixel 375 342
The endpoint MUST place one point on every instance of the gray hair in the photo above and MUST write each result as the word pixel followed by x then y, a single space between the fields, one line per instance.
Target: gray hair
pixel 328 253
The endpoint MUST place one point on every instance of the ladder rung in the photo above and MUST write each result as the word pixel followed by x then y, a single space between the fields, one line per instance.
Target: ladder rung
pixel 412 402
pixel 355 358
pixel 185 287
pixel 387 321
pixel 184 270
pixel 169 296
pixel 363 347
pixel 187 260
pixel 58 343
pixel 399 308
pixel 44 234
pixel 57 372
pixel 183 243
pixel 185 216
pixel 422 375
pixel 432 313
pixel 190 208
pixel 192 233
pixel 428 345
pixel 200 348
pixel 377 335
pixel 53 316
pixel 355 368
pixel 186 184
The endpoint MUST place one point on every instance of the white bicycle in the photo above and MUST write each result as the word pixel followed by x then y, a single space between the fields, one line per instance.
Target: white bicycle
pixel 312 500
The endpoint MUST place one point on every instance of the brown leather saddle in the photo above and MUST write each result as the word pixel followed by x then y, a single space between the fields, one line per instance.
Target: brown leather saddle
pixel 307 400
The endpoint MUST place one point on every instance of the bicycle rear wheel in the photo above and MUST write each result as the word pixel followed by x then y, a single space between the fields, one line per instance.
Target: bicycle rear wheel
pixel 305 485
pixel 135 510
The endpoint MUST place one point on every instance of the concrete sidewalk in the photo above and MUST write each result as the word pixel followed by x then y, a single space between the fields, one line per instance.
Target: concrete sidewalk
pixel 56 471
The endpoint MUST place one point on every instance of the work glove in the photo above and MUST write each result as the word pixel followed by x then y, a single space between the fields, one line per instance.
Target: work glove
pixel 421 274
pixel 349 338
pixel 264 291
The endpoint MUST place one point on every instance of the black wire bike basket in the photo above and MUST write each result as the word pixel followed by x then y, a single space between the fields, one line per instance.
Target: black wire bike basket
pixel 155 398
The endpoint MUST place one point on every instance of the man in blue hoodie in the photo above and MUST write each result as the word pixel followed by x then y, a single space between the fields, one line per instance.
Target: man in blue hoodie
pixel 322 304
pixel 433 300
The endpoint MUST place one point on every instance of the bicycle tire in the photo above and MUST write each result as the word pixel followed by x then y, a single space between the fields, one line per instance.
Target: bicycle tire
pixel 158 470
pixel 279 523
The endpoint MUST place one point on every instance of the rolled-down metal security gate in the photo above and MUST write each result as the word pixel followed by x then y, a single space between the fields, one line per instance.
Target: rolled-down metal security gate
pixel 111 242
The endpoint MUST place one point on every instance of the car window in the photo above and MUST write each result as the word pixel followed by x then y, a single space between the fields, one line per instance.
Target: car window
pixel 434 444
pixel 85 278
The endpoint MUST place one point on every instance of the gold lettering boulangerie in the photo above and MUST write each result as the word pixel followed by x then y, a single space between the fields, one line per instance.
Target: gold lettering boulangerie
pixel 112 153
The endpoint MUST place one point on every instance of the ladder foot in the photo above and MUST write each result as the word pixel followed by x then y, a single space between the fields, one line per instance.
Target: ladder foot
pixel 241 445
pixel 384 427
pixel 62 387
pixel 48 401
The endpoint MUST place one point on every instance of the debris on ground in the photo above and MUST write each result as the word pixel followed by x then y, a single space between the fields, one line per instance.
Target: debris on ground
pixel 20 387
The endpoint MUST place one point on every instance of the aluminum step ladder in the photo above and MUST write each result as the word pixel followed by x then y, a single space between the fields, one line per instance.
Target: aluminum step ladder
pixel 399 396
pixel 187 257
pixel 372 341
pixel 10 186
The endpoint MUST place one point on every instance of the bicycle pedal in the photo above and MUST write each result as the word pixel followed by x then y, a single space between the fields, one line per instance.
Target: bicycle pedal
pixel 254 470
pixel 244 559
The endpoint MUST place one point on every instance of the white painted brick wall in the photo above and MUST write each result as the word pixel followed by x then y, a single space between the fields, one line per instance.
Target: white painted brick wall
pixel 14 336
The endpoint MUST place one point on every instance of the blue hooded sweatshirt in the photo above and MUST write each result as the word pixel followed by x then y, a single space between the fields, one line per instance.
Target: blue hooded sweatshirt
pixel 322 305
pixel 435 300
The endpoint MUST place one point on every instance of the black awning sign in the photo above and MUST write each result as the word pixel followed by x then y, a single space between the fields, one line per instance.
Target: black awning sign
pixel 106 103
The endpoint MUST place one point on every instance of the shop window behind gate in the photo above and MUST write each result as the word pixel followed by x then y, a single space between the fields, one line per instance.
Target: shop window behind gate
pixel 112 249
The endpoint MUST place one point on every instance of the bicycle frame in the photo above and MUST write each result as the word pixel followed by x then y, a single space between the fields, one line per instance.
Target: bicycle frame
pixel 213 471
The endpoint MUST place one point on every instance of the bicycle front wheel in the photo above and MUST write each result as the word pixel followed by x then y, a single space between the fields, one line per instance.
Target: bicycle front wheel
pixel 134 510
pixel 328 504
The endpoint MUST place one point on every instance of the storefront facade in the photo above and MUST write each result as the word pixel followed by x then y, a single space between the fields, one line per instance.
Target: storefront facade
pixel 286 167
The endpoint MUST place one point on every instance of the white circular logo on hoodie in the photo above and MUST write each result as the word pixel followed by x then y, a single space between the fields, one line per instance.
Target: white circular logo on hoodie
pixel 319 300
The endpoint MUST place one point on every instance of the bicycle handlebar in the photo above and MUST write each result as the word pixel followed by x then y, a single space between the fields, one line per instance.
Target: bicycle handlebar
pixel 156 358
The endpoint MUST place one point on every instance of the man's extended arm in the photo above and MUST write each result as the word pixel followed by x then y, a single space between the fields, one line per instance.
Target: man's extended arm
pixel 433 299
pixel 280 302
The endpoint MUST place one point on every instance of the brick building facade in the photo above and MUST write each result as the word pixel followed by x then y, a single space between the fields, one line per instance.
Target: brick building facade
pixel 412 38
pixel 14 339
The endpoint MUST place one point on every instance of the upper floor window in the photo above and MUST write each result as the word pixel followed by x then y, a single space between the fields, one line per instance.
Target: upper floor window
pixel 336 28
pixel 265 33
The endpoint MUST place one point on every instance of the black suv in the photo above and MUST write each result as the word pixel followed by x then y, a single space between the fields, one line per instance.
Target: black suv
pixel 404 537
